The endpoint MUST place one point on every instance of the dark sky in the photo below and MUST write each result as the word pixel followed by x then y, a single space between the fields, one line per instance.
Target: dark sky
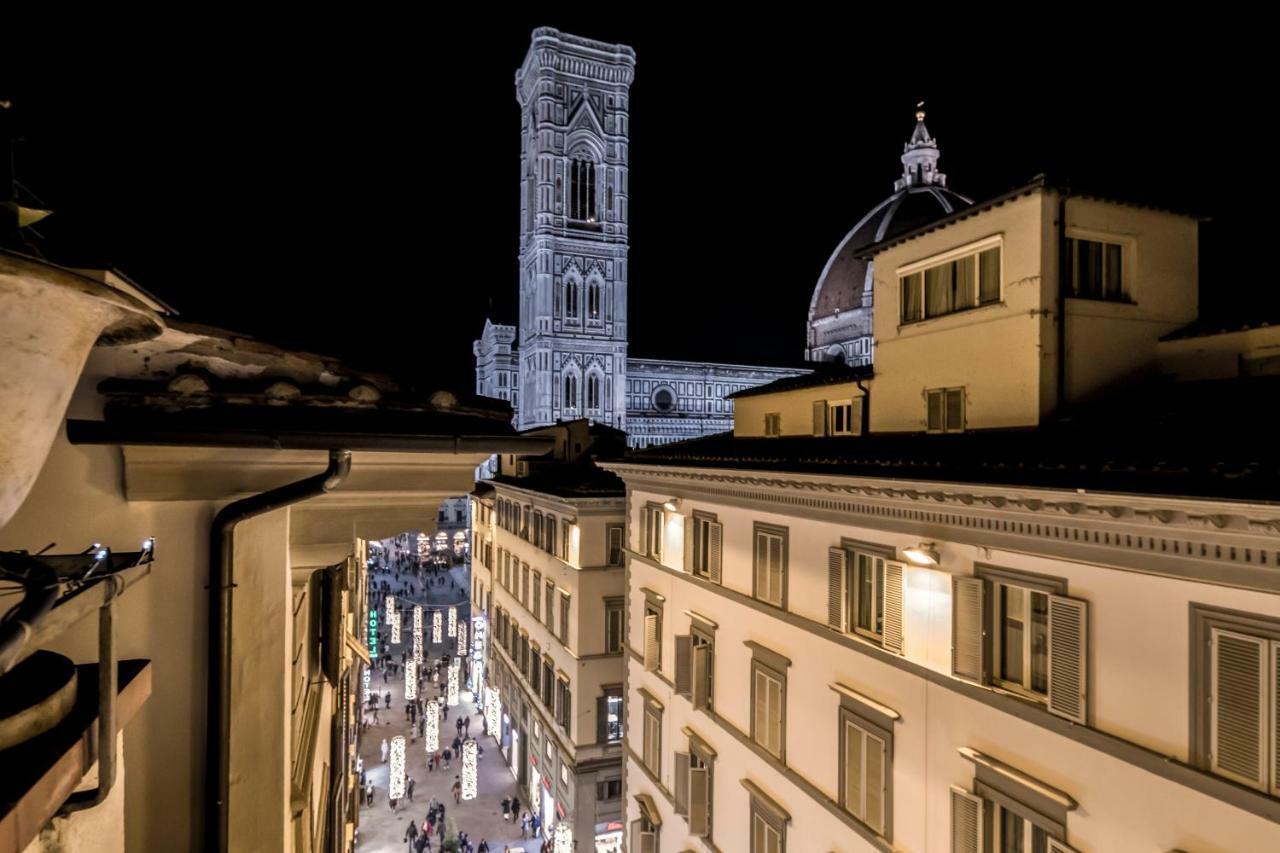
pixel 354 190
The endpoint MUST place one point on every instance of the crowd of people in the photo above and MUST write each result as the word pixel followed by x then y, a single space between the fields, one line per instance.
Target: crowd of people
pixel 397 570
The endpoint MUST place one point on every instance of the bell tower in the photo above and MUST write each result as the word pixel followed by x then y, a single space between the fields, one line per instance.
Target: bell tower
pixel 574 99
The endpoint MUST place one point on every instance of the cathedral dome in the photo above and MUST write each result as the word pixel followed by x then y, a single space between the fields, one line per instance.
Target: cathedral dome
pixel 920 195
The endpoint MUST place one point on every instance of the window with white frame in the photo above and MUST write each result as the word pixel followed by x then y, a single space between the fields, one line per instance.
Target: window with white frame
pixel 613 624
pixel 609 715
pixel 1095 269
pixel 844 417
pixel 652 633
pixel 768 823
pixel 965 280
pixel 693 777
pixel 653 738
pixel 1032 642
pixel 614 534
pixel 1007 811
pixel 865 770
pixel 1235 679
pixel 770 556
pixel 944 409
pixel 768 708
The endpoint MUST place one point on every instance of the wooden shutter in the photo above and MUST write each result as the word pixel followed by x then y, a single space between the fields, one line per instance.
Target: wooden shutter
pixel 644 532
pixel 1068 657
pixel 684 664
pixel 700 660
pixel 955 409
pixel 715 533
pixel 820 417
pixel 602 714
pixel 966 822
pixel 967 642
pixel 1056 846
pixel 873 815
pixel 699 789
pixel 682 783
pixel 837 572
pixel 893 596
pixel 564 619
pixel 1238 715
pixel 934 406
pixel 854 778
pixel 651 662
pixel 642 840
pixel 689 525
pixel 1275 716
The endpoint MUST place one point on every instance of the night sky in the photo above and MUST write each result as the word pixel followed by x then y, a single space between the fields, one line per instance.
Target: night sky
pixel 355 191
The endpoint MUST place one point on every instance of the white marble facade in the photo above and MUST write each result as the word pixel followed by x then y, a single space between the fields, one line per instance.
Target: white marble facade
pixel 569 350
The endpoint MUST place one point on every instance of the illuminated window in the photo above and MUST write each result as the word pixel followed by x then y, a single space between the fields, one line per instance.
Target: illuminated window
pixel 953 285
pixel 1095 270
pixel 582 190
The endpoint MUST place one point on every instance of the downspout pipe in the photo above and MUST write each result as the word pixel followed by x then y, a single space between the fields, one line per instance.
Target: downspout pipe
pixel 866 406
pixel 221 590
pixel 1064 269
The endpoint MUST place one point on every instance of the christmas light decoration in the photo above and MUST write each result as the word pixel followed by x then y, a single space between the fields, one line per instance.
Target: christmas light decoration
pixel 411 679
pixel 417 632
pixel 462 638
pixel 453 621
pixel 453 682
pixel 395 627
pixel 469 769
pixel 431 734
pixel 493 710
pixel 396 788
pixel 564 838
pixel 435 626
pixel 390 608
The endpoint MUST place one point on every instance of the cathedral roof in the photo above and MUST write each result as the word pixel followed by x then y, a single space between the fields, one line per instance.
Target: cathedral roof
pixel 920 196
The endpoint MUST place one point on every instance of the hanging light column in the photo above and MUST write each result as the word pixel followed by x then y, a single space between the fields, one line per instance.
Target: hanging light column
pixel 417 632
pixel 396 788
pixel 411 679
pixel 431 733
pixel 469 769
pixel 453 621
pixel 435 626
pixel 453 682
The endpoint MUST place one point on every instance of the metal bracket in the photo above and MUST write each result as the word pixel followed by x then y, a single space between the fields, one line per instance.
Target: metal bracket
pixel 108 685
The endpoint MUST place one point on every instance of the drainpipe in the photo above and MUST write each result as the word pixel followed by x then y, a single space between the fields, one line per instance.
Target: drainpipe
pixel 108 683
pixel 1063 270
pixel 221 589
pixel 866 406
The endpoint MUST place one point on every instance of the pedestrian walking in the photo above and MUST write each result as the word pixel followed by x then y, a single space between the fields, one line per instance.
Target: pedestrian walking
pixel 411 833
pixel 384 750
pixel 387 699
pixel 447 756
pixel 534 824
pixel 457 790
pixel 466 727
pixel 408 788
pixel 368 793
pixel 524 824
pixel 483 846
pixel 515 808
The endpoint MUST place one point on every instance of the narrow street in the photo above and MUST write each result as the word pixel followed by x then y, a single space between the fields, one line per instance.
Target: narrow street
pixel 381 828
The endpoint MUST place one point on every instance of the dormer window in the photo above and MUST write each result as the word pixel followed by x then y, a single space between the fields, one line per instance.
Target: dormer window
pixel 1095 270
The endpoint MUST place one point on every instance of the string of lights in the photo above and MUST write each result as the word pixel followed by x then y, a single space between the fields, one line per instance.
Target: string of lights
pixel 395 789
pixel 469 769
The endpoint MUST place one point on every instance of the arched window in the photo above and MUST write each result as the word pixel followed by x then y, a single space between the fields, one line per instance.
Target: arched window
pixel 593 392
pixel 593 300
pixel 582 190
pixel 571 288
pixel 570 392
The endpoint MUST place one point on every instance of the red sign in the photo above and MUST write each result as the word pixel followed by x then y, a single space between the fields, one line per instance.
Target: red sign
pixel 533 759
pixel 560 810
pixel 546 783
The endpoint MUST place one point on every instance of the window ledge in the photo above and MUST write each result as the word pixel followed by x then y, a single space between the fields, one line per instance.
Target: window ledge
pixel 1125 301
pixel 903 324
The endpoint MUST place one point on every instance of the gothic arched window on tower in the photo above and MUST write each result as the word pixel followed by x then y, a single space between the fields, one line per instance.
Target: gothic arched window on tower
pixel 570 392
pixel 593 300
pixel 593 392
pixel 582 190
pixel 572 289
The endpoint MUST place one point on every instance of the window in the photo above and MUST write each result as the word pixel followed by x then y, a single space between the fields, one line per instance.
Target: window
pixel 1007 811
pixel 695 663
pixel 613 625
pixel 593 300
pixel 768 707
pixel 563 705
pixel 534 673
pixel 844 417
pixel 548 684
pixel 1033 642
pixel 866 755
pixel 570 392
pixel 537 599
pixel 549 594
pixel 770 575
pixel 1236 679
pixel 613 535
pixel 571 290
pixel 962 282
pixel 582 190
pixel 652 633
pixel 1095 270
pixel 564 618
pixel 768 822
pixel 693 785
pixel 536 533
pixel 524 584
pixel 945 410
pixel 773 423
pixel 708 534
pixel 610 789
pixel 653 737
pixel 664 399
pixel 644 833
pixel 593 392
pixel 609 716
pixel 549 538
pixel 653 521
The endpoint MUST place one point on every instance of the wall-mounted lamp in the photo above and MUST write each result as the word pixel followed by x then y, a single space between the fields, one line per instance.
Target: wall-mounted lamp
pixel 671 504
pixel 924 554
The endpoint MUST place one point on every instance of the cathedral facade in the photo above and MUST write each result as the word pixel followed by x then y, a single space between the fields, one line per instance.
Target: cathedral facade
pixel 567 357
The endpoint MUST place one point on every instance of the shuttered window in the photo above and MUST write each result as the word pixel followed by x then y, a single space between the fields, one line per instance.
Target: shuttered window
pixel 644 835
pixel 653 520
pixel 968 823
pixel 1244 727
pixel 614 534
pixel 537 599
pixel 770 575
pixel 707 537
pixel 820 417
pixel 564 618
pixel 653 740
pixel 864 771
pixel 944 410
pixel 652 637
pixel 768 698
pixel 613 624
pixel 768 829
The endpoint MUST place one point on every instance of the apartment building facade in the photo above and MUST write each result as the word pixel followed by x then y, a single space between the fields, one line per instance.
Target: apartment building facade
pixel 932 609
pixel 550 579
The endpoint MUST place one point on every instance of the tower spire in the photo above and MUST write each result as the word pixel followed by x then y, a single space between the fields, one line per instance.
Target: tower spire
pixel 920 158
